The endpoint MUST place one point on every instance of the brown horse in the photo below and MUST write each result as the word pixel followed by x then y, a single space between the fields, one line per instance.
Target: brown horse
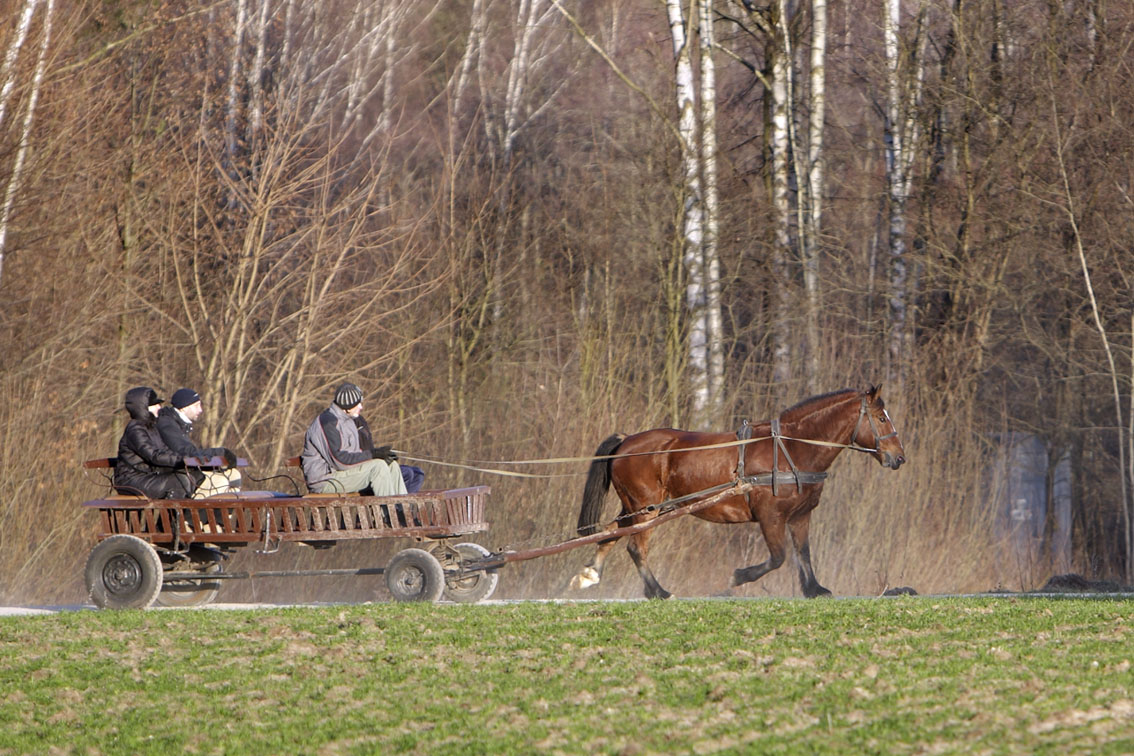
pixel 650 468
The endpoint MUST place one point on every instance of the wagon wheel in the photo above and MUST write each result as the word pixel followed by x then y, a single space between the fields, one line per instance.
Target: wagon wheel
pixel 415 575
pixel 123 572
pixel 184 593
pixel 471 587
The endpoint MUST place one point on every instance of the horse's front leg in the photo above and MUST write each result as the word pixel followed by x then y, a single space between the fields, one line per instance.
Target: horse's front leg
pixel 772 524
pixel 800 527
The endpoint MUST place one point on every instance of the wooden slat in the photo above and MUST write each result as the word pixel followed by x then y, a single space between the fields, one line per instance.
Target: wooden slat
pixel 242 519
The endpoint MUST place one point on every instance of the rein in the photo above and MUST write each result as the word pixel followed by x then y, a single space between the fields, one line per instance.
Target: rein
pixel 794 477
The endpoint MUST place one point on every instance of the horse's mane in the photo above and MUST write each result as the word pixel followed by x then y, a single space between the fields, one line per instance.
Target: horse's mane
pixel 815 404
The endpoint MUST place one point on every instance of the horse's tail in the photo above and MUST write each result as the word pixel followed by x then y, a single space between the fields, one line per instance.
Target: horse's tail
pixel 598 481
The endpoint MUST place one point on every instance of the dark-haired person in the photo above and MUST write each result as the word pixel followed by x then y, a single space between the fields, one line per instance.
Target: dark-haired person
pixel 146 465
pixel 175 422
pixel 333 460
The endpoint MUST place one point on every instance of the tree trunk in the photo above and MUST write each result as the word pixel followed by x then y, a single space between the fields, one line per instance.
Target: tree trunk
pixel 8 72
pixel 713 320
pixel 814 212
pixel 232 99
pixel 780 51
pixel 25 132
pixel 692 215
pixel 901 136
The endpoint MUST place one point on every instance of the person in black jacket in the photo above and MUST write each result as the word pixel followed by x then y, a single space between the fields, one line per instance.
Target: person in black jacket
pixel 146 465
pixel 175 422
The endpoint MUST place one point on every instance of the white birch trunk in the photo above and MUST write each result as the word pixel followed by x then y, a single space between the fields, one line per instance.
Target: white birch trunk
pixel 815 176
pixel 285 42
pixel 897 218
pixel 473 46
pixel 901 136
pixel 386 118
pixel 781 197
pixel 711 253
pixel 231 103
pixel 8 72
pixel 256 74
pixel 692 222
pixel 25 133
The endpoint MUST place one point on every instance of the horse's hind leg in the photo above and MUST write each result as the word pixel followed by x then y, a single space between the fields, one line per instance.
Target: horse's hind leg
pixel 800 528
pixel 639 547
pixel 591 574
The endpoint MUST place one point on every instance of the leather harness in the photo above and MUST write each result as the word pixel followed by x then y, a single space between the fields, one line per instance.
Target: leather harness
pixel 795 476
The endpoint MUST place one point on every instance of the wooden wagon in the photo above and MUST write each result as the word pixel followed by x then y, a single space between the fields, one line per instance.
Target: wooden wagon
pixel 172 551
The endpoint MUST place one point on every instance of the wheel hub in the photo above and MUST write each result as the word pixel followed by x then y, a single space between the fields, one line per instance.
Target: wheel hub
pixel 411 579
pixel 122 574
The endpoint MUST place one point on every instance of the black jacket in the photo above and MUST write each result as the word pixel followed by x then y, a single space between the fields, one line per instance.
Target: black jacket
pixel 175 432
pixel 145 463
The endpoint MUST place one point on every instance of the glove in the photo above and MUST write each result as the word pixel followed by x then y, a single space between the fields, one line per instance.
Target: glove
pixel 385 453
pixel 229 458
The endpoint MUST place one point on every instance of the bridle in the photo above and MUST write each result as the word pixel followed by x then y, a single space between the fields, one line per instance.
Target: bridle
pixel 863 411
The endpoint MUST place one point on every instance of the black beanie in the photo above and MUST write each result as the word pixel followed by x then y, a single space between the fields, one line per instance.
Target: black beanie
pixel 183 397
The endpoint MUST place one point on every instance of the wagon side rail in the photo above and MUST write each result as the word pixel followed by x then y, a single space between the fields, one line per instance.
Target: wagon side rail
pixel 263 516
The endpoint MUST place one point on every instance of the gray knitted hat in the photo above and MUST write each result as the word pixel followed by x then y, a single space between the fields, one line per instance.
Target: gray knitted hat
pixel 348 395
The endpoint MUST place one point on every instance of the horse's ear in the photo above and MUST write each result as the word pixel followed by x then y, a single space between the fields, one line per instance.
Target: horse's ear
pixel 874 391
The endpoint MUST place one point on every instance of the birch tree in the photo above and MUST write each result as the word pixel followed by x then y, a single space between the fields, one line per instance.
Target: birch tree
pixel 780 145
pixel 794 150
pixel 8 73
pixel 24 142
pixel 699 205
pixel 692 207
pixel 901 137
pixel 232 104
pixel 711 250
pixel 813 216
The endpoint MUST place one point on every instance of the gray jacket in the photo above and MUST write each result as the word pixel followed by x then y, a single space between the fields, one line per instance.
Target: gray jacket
pixel 330 444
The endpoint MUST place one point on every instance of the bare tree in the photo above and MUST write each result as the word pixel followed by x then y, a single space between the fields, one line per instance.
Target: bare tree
pixel 904 78
pixel 714 327
pixel 780 145
pixel 812 229
pixel 8 73
pixel 29 118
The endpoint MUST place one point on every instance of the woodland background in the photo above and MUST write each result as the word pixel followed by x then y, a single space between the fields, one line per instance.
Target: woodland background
pixel 521 225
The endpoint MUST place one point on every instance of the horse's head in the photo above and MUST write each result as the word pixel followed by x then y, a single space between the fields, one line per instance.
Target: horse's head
pixel 875 432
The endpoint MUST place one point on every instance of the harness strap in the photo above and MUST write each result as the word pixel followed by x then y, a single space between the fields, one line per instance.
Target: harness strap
pixel 742 434
pixel 797 477
pixel 776 476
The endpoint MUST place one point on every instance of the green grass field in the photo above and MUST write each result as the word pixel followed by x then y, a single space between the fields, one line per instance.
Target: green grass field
pixel 905 675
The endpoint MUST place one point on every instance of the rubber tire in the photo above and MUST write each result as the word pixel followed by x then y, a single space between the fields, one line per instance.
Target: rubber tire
pixel 123 572
pixel 194 593
pixel 415 575
pixel 473 587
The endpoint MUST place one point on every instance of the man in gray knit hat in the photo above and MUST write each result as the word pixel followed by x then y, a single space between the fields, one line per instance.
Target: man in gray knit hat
pixel 333 460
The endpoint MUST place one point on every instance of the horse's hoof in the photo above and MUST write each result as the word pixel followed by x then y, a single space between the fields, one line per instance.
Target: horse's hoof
pixel 738 578
pixel 587 577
